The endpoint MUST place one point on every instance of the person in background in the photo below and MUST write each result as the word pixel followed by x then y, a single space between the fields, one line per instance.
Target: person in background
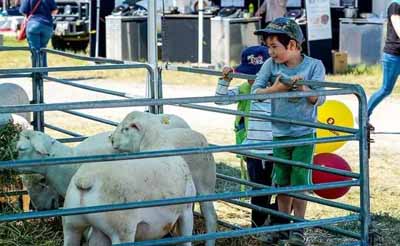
pixel 40 26
pixel 252 130
pixel 391 58
pixel 284 37
pixel 272 9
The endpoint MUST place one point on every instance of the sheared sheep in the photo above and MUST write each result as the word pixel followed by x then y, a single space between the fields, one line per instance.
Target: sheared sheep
pixel 128 181
pixel 171 121
pixel 202 166
pixel 43 196
pixel 38 145
pixel 13 94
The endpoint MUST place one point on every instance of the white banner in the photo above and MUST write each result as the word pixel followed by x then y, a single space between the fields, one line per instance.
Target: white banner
pixel 318 19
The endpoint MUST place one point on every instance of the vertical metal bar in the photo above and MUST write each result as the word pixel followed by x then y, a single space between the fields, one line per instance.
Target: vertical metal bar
pixel 364 169
pixel 160 90
pixel 152 52
pixel 98 2
pixel 36 89
pixel 200 9
pixel 42 57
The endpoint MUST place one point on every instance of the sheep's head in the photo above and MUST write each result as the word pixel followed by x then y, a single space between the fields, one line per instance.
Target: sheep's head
pixel 43 197
pixel 34 145
pixel 129 134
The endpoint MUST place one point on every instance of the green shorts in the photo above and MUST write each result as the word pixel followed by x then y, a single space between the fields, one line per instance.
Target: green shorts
pixel 284 175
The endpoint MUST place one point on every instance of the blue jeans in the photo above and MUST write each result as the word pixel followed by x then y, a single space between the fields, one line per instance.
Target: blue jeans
pixel 38 36
pixel 391 71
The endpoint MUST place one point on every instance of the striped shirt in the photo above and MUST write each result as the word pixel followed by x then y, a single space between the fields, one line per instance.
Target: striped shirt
pixel 259 130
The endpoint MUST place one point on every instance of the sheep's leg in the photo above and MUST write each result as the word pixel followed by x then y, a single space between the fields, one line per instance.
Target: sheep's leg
pixel 72 235
pixel 185 224
pixel 125 235
pixel 98 238
pixel 210 218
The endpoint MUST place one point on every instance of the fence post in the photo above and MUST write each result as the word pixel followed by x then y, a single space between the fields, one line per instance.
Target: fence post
pixel 364 169
pixel 160 109
pixel 37 91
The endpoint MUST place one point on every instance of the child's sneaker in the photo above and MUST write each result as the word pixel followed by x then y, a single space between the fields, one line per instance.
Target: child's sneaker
pixel 297 238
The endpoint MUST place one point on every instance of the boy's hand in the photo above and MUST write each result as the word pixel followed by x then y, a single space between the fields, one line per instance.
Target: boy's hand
pixel 225 73
pixel 278 86
pixel 294 80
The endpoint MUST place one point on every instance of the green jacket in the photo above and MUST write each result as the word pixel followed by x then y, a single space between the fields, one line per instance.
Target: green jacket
pixel 241 123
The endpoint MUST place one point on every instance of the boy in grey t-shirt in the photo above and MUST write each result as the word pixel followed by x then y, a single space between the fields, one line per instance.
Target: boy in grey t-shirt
pixel 284 38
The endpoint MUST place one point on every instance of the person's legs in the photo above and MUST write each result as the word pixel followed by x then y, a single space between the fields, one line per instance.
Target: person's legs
pixel 45 35
pixel 255 169
pixel 391 70
pixel 33 37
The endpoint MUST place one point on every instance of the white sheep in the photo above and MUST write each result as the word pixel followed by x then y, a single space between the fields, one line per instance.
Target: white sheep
pixel 171 121
pixel 42 196
pixel 202 166
pixel 38 145
pixel 13 94
pixel 50 186
pixel 128 181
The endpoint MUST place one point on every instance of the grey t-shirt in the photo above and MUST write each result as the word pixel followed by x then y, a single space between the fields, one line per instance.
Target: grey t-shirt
pixel 292 108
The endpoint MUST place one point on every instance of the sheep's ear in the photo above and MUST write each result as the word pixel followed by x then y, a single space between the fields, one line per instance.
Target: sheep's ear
pixel 40 146
pixel 135 126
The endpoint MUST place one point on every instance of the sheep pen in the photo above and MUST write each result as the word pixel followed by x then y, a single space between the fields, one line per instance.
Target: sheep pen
pixel 228 212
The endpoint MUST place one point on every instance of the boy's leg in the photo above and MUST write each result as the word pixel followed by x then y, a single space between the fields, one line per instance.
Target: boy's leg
pixel 301 176
pixel 281 177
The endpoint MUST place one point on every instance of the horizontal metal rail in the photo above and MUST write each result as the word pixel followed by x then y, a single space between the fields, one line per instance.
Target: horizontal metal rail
pixel 58 129
pixel 81 57
pixel 243 232
pixel 204 71
pixel 270 118
pixel 221 222
pixel 14 48
pixel 91 117
pixel 161 153
pixel 172 201
pixel 297 164
pixel 92 88
pixel 13 193
pixel 76 68
pixel 17 75
pixel 299 196
pixel 352 244
pixel 290 217
pixel 71 140
pixel 152 102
